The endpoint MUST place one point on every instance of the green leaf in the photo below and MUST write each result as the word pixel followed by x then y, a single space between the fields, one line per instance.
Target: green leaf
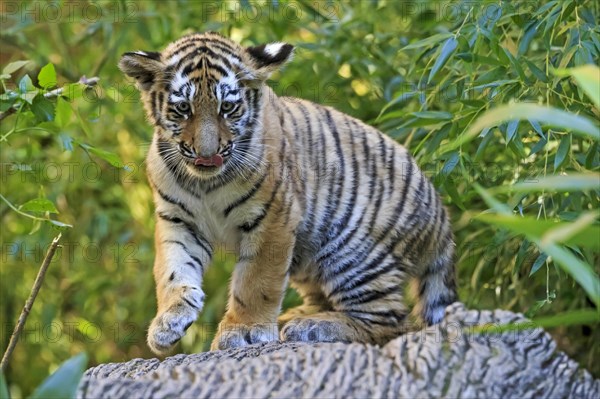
pixel 515 64
pixel 3 387
pixel 511 130
pixel 14 66
pixel 579 270
pixel 47 76
pixel 64 381
pixel 39 205
pixel 538 129
pixel 63 112
pixel 591 155
pixel 42 108
pixel 570 182
pixel 586 236
pixel 428 41
pixel 491 201
pixel 537 72
pixel 450 187
pixel 524 111
pixel 25 84
pixel 438 115
pixel 523 249
pixel 562 152
pixel 587 77
pixel 570 318
pixel 535 229
pixel 110 157
pixel 445 53
pixel 539 262
pixel 73 91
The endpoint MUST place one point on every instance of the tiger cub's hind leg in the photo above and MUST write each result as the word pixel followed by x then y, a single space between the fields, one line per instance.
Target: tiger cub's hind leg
pixel 367 307
pixel 313 301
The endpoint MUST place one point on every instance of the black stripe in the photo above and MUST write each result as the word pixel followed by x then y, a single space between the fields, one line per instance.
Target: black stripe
pixel 338 182
pixel 184 247
pixel 190 264
pixel 386 230
pixel 230 52
pixel 315 162
pixel 384 318
pixel 323 169
pixel 198 238
pixel 369 161
pixel 218 68
pixel 359 298
pixel 171 200
pixel 248 195
pixel 183 180
pixel 239 301
pixel 190 303
pixel 420 224
pixel 249 226
pixel 183 48
pixel 392 170
pixel 369 273
pixel 341 240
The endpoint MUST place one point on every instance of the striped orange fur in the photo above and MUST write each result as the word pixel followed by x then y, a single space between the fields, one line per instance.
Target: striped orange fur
pixel 306 195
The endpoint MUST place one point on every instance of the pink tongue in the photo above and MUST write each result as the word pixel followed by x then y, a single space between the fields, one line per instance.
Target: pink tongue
pixel 215 160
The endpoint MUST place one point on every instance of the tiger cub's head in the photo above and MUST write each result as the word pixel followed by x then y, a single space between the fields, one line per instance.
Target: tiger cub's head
pixel 203 94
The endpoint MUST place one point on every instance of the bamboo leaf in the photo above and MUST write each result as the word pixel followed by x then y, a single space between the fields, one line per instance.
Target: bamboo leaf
pixel 64 381
pixel 445 53
pixel 428 41
pixel 570 182
pixel 587 77
pixel 523 111
pixel 584 234
pixel 562 152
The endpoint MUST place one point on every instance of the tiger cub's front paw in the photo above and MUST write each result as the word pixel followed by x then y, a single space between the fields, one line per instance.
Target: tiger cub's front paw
pixel 170 326
pixel 238 335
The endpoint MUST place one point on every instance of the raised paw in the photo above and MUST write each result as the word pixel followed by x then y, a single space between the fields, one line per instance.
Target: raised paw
pixel 306 329
pixel 170 326
pixel 238 335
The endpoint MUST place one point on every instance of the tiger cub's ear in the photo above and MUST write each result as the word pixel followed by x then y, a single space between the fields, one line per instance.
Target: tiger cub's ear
pixel 267 58
pixel 144 66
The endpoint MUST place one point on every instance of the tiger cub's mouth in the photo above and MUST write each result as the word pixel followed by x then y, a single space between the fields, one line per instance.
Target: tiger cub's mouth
pixel 213 162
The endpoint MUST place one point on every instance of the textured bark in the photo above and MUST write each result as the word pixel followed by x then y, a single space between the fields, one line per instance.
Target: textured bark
pixel 447 360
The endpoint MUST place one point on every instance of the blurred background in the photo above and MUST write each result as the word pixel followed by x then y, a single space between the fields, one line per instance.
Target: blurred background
pixel 421 71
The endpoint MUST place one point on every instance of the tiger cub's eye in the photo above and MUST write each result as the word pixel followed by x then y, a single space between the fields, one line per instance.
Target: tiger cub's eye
pixel 182 107
pixel 227 106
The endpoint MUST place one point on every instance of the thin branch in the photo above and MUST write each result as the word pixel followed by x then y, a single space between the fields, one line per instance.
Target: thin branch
pixel 14 338
pixel 88 82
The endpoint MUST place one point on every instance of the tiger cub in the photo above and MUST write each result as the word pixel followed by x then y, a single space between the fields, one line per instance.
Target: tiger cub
pixel 305 194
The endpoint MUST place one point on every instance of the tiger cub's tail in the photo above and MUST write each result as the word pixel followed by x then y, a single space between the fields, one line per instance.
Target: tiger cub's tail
pixel 436 288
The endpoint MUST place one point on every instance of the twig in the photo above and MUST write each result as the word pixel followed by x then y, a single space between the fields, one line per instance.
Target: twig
pixel 27 308
pixel 88 82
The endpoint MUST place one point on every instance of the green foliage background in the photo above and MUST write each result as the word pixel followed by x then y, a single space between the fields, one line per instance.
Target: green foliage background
pixel 422 72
